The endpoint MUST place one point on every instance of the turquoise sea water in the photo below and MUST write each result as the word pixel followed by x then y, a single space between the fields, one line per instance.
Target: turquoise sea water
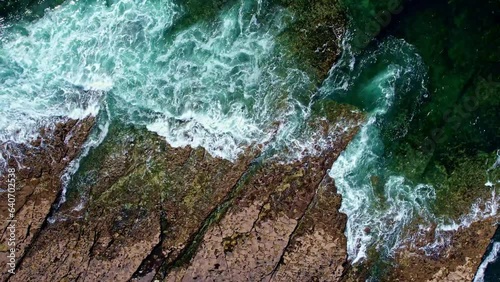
pixel 429 81
pixel 220 84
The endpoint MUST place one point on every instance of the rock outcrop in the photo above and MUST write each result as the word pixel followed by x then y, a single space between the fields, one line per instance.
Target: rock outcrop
pixel 137 200
pixel 455 258
pixel 456 261
pixel 39 167
pixel 140 210
pixel 284 216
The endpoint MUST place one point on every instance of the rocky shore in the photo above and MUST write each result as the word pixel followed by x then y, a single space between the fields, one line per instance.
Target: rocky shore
pixel 39 168
pixel 140 210
pixel 456 260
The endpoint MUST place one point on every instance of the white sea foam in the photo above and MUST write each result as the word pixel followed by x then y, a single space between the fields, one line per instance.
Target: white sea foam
pixel 94 140
pixel 381 204
pixel 218 84
pixel 374 218
pixel 492 257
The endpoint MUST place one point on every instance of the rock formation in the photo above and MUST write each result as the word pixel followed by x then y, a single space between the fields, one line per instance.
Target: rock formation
pixel 39 167
pixel 139 209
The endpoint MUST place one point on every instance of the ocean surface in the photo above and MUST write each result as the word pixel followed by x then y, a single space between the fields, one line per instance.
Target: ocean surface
pixel 223 81
pixel 489 270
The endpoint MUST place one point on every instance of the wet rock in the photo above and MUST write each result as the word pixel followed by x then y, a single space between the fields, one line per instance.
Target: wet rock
pixel 317 250
pixel 315 34
pixel 283 224
pixel 457 261
pixel 145 211
pixel 131 208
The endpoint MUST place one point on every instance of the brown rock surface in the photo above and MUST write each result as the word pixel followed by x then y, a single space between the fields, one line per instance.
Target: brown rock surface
pixel 141 210
pixel 39 167
pixel 458 261
pixel 138 209
pixel 284 217
pixel 317 250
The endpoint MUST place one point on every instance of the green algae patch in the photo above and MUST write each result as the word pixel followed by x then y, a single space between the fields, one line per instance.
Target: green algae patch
pixel 197 11
pixel 314 35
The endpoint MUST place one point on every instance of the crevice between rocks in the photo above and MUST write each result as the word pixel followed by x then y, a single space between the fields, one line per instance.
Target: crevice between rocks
pixel 293 233
pixel 155 258
pixel 214 216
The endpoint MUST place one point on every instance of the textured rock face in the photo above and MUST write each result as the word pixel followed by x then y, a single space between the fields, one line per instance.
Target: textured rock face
pixel 260 242
pixel 144 203
pixel 458 261
pixel 39 167
pixel 283 224
pixel 140 210
pixel 317 250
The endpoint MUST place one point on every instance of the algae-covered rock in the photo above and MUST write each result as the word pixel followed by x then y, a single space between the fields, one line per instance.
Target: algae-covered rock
pixel 138 208
pixel 312 34
pixel 315 33
pixel 38 168
pixel 133 206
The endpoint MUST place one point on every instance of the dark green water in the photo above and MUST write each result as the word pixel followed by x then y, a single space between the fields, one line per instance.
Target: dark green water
pixel 429 79
pixel 460 41
pixel 489 270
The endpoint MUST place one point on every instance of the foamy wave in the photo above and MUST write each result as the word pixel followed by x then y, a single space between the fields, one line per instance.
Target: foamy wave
pixel 381 204
pixel 222 138
pixel 95 139
pixel 492 257
pixel 219 85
